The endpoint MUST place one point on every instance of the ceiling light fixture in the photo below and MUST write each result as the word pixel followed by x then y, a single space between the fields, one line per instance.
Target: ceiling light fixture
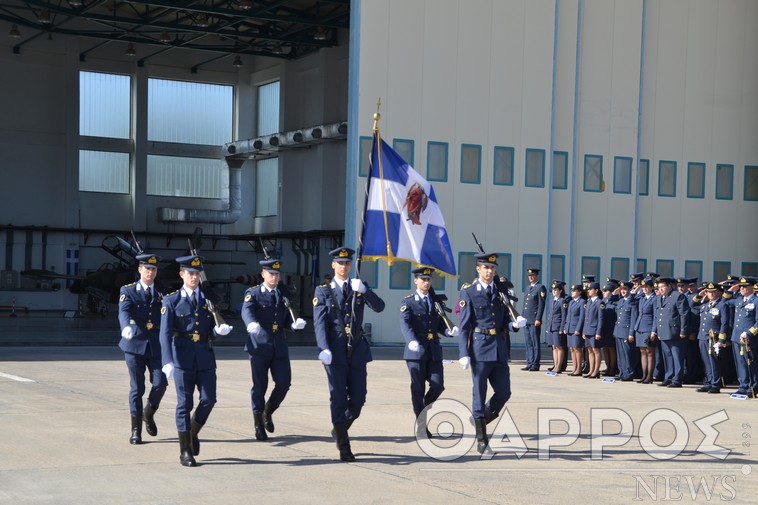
pixel 277 49
pixel 130 50
pixel 245 5
pixel 14 33
pixel 237 63
pixel 75 3
pixel 165 37
pixel 320 33
pixel 202 20
pixel 44 17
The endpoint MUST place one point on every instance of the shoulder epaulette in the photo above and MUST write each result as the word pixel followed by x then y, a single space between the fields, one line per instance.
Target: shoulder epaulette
pixel 466 285
pixel 130 284
pixel 408 296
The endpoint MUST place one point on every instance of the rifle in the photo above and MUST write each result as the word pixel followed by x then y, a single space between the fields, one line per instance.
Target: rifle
pixel 286 300
pixel 502 287
pixel 204 281
pixel 441 308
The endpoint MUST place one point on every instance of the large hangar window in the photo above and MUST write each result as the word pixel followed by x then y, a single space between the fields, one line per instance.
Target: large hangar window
pixel 622 176
pixel 560 170
pixel 644 178
pixel 667 178
pixel 535 168
pixel 471 163
pixel 724 182
pixel 695 180
pixel 593 173
pixel 751 183
pixel 503 166
pixel 186 122
pixel 104 132
pixel 436 161
pixel 267 171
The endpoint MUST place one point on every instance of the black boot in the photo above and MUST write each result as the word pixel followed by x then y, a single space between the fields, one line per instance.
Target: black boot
pixel 185 449
pixel 268 422
pixel 195 428
pixel 343 442
pixel 481 435
pixel 489 416
pixel 147 416
pixel 260 432
pixel 136 437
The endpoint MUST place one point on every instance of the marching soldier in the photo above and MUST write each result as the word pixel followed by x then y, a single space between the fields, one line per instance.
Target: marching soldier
pixel 421 326
pixel 139 317
pixel 187 330
pixel 714 326
pixel 338 320
pixel 266 318
pixel 484 323
pixel 670 326
pixel 745 334
pixel 534 309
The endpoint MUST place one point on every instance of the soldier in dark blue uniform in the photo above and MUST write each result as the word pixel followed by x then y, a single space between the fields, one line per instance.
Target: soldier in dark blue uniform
pixel 745 334
pixel 338 320
pixel 421 326
pixel 534 309
pixel 643 329
pixel 693 365
pixel 556 317
pixel 670 326
pixel 139 317
pixel 187 330
pixel 484 323
pixel 266 318
pixel 626 316
pixel 608 342
pixel 592 328
pixel 572 327
pixel 714 328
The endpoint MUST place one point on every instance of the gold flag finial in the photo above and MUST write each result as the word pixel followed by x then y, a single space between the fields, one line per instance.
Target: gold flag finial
pixel 376 114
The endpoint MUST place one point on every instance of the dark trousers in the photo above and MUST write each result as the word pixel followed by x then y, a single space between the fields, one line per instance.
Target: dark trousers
pixel 281 373
pixel 693 363
pixel 185 381
pixel 533 349
pixel 347 390
pixel 137 364
pixel 673 356
pixel 628 356
pixel 711 366
pixel 423 371
pixel 498 374
pixel 746 375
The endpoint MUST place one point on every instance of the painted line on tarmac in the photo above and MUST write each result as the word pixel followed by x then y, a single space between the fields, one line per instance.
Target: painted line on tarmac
pixel 16 377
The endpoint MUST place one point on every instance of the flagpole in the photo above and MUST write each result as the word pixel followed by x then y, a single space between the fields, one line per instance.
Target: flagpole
pixel 365 201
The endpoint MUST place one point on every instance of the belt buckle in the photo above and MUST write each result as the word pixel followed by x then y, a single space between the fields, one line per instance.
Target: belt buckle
pixel 347 330
pixel 430 336
pixel 492 331
pixel 149 326
pixel 196 337
pixel 275 327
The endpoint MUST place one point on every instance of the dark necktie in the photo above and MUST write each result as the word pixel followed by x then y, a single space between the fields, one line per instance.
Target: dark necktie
pixel 489 292
pixel 428 304
pixel 344 290
pixel 193 300
pixel 275 297
pixel 149 296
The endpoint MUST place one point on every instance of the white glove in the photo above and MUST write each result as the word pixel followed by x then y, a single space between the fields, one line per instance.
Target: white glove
pixel 743 335
pixel 253 327
pixel 465 362
pixel 168 370
pixel 413 345
pixel 454 332
pixel 325 356
pixel 223 329
pixel 127 332
pixel 716 349
pixel 299 324
pixel 520 322
pixel 357 285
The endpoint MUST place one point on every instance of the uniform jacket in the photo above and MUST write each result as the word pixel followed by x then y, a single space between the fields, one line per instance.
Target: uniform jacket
pixel 269 311
pixel 418 323
pixel 557 314
pixel 645 314
pixel 328 303
pixel 594 317
pixel 480 311
pixel 134 311
pixel 574 316
pixel 534 303
pixel 626 317
pixel 713 316
pixel 744 316
pixel 177 316
pixel 671 313
pixel 609 316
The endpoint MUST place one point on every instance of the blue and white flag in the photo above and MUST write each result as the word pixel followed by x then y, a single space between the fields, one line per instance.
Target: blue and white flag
pixel 403 219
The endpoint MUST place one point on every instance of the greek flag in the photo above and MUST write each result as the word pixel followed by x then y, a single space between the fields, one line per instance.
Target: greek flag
pixel 403 219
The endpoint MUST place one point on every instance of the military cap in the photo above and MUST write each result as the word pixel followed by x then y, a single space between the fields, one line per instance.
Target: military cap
pixel 729 281
pixel 746 281
pixel 625 284
pixel 532 271
pixel 148 260
pixel 191 263
pixel 423 272
pixel 610 286
pixel 272 265
pixel 654 275
pixel 610 280
pixel 593 285
pixel 682 281
pixel 342 254
pixel 637 276
pixel 648 281
pixel 577 287
pixel 588 278
pixel 712 286
pixel 486 259
pixel 557 285
pixel 666 280
pixel 692 280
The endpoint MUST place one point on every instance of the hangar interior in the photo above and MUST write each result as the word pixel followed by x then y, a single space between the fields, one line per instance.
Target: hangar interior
pixel 575 136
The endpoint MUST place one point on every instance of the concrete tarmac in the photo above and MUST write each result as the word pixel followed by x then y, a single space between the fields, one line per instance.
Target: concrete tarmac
pixel 64 430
